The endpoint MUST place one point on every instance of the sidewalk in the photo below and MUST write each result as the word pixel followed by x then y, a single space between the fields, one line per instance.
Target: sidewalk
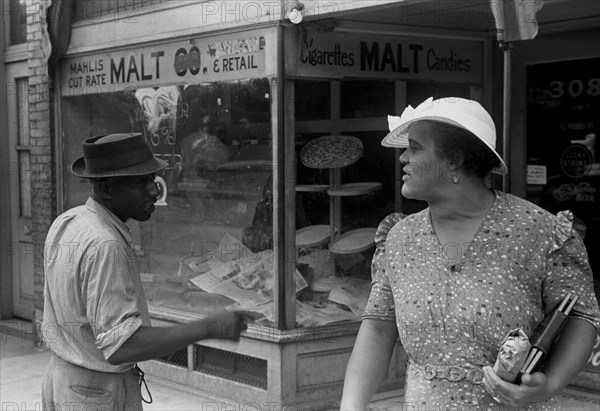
pixel 22 367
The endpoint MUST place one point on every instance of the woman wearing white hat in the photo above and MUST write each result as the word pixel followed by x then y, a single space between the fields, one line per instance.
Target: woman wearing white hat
pixel 452 280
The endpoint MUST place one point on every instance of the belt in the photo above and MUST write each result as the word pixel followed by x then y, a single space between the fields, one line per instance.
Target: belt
pixel 452 373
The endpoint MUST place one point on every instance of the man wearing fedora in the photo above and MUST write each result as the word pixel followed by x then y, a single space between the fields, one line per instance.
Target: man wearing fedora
pixel 96 319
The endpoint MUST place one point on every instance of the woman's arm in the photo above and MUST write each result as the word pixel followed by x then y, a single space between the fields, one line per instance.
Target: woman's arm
pixel 570 354
pixel 369 362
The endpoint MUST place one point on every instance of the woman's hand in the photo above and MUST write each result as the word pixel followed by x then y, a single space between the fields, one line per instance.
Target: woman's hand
pixel 534 388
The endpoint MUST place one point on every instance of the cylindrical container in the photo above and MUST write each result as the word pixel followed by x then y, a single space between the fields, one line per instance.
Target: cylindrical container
pixel 321 288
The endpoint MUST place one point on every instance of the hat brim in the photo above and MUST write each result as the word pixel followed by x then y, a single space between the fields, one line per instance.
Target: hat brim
pixel 398 138
pixel 149 166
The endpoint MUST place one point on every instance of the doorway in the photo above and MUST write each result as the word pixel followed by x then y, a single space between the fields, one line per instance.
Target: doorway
pixel 17 174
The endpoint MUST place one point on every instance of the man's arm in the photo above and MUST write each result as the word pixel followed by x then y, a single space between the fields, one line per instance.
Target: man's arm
pixel 369 362
pixel 568 357
pixel 152 342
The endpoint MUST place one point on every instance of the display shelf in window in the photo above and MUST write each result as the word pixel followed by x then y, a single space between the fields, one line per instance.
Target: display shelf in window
pixel 354 189
pixel 334 152
pixel 353 241
pixel 313 235
pixel 312 188
pixel 331 152
pixel 347 251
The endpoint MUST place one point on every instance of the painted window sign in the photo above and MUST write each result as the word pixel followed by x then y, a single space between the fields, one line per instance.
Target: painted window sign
pixel 194 60
pixel 390 56
pixel 229 55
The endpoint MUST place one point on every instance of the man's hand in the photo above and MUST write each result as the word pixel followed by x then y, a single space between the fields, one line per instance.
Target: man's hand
pixel 151 342
pixel 227 325
pixel 534 388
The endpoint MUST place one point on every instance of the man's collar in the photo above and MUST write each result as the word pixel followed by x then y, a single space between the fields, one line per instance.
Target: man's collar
pixel 96 207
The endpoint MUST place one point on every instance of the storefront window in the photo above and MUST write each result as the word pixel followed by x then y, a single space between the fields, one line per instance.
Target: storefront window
pixel 417 92
pixel 563 166
pixel 347 183
pixel 345 187
pixel 366 98
pixel 16 12
pixel 313 100
pixel 215 214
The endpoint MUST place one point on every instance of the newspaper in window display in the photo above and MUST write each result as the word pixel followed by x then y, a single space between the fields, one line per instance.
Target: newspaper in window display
pixel 235 272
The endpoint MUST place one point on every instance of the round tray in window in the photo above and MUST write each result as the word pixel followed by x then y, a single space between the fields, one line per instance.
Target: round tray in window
pixel 354 189
pixel 331 152
pixel 313 235
pixel 312 188
pixel 353 241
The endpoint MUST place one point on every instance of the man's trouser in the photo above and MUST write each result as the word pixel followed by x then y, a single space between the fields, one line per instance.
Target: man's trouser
pixel 68 387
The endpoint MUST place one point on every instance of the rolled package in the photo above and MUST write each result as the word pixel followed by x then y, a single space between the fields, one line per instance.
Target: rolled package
pixel 512 355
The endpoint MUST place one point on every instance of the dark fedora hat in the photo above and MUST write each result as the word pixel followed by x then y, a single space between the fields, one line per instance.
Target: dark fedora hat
pixel 116 155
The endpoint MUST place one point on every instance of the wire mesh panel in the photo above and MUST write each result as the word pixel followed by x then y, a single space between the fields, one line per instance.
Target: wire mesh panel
pixel 232 366
pixel 123 9
pixel 178 358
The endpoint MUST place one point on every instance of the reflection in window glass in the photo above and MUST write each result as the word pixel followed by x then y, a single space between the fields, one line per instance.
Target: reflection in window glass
pixel 563 151
pixel 313 100
pixel 338 209
pixel 217 213
pixel 366 98
pixel 378 165
pixel 24 151
pixel 17 15
pixel 417 92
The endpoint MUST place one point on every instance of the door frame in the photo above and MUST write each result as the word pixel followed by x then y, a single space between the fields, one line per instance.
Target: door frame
pixel 9 55
pixel 14 64
pixel 5 234
pixel 21 247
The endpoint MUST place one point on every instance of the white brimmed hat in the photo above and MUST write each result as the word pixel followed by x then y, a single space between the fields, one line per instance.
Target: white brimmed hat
pixel 456 111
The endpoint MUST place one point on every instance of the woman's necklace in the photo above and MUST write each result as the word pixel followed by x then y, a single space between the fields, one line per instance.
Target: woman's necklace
pixel 454 252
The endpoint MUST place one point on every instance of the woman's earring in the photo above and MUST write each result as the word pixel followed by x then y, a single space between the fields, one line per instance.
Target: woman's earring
pixel 455 179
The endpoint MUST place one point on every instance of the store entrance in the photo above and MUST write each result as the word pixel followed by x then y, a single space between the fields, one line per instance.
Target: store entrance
pixel 18 172
pixel 563 165
pixel 562 149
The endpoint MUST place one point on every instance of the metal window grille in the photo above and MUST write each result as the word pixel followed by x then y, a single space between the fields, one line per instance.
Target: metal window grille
pixel 178 358
pixel 232 366
pixel 223 364
pixel 121 9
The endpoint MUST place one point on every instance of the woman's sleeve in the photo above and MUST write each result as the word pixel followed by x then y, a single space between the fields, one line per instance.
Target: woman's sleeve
pixel 568 270
pixel 380 305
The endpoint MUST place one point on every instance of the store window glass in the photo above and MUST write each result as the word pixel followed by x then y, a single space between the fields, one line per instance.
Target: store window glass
pixel 16 12
pixel 563 166
pixel 313 100
pixel 417 92
pixel 366 98
pixel 344 187
pixel 214 219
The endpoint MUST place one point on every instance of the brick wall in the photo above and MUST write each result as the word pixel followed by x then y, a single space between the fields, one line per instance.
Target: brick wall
pixel 41 139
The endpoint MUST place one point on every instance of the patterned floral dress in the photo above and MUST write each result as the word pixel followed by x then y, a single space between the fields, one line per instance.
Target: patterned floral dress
pixel 454 309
